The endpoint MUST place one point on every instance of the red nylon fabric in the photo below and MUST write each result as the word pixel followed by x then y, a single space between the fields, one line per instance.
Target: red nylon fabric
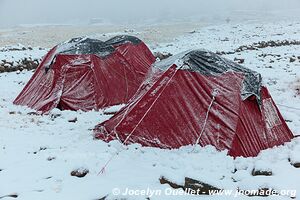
pixel 86 82
pixel 169 112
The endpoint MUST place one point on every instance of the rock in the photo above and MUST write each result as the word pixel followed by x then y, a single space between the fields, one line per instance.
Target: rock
pixel 51 158
pixel 226 39
pixel 102 198
pixel 54 116
pixel 80 173
pixel 296 164
pixel 162 56
pixel 32 113
pixel 292 59
pixel 265 44
pixel 261 173
pixel 6 65
pixel 199 186
pixel 129 31
pixel 191 186
pixel 10 195
pixel 239 60
pixel 42 148
pixel 2 69
pixel 109 112
pixel 73 120
pixel 164 180
pixel 25 63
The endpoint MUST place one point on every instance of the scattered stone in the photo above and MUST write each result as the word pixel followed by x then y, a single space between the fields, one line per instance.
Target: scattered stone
pixel 162 56
pixel 129 31
pixel 73 120
pixel 103 198
pixel 224 53
pixel 191 186
pixel 54 116
pixel 199 186
pixel 164 180
pixel 226 39
pixel 109 112
pixel 32 113
pixel 16 48
pixel 80 173
pixel 6 65
pixel 2 69
pixel 38 190
pixel 297 86
pixel 43 148
pixel 239 60
pixel 263 44
pixel 261 173
pixel 51 158
pixel 292 59
pixel 26 63
pixel 10 195
pixel 297 165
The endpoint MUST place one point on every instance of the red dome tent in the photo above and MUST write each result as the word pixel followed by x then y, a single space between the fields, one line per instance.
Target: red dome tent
pixel 86 74
pixel 198 97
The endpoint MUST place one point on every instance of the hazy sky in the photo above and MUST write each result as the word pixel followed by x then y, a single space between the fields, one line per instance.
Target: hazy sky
pixel 14 12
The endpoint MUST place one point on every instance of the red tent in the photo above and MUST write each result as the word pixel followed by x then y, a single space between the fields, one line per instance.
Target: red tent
pixel 198 97
pixel 86 74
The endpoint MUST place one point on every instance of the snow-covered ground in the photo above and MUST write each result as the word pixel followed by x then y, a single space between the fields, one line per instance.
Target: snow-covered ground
pixel 38 153
pixel 49 35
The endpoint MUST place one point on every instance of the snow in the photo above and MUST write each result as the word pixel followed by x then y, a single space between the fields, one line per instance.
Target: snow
pixel 38 152
pixel 113 109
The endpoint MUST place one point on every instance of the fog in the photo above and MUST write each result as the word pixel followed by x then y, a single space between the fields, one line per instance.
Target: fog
pixel 15 12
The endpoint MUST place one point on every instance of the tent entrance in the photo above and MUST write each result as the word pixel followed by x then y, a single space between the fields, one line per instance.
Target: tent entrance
pixel 77 89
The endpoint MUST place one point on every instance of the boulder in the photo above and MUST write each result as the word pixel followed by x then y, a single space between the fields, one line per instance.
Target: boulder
pixel 80 173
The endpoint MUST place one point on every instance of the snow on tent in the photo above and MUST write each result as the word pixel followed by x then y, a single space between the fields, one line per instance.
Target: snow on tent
pixel 197 97
pixel 85 74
